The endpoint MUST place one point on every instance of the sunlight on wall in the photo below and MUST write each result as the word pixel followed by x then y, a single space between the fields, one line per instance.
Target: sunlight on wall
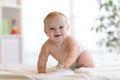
pixel 84 15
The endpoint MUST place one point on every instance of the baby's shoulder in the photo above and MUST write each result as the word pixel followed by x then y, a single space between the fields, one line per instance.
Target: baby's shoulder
pixel 46 44
pixel 71 39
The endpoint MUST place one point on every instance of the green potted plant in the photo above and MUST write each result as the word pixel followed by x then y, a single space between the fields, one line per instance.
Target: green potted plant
pixel 108 24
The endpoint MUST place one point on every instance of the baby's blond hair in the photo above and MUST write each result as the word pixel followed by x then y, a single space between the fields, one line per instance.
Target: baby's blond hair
pixel 52 15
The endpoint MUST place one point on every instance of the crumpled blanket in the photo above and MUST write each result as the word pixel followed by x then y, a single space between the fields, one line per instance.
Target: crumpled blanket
pixel 29 72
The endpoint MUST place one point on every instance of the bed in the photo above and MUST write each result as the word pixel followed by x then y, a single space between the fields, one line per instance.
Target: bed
pixel 29 72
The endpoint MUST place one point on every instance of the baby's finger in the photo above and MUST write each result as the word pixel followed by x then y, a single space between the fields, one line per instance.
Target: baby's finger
pixel 66 67
pixel 60 66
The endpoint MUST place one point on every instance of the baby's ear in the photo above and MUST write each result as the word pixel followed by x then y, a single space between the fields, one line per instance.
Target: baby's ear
pixel 45 31
pixel 68 28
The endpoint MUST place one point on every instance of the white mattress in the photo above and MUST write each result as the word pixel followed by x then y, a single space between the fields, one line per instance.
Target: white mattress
pixel 29 72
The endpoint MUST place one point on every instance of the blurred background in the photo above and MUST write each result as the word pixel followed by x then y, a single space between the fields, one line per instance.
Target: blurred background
pixel 82 16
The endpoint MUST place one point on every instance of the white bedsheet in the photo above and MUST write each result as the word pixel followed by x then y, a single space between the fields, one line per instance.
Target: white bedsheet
pixel 29 72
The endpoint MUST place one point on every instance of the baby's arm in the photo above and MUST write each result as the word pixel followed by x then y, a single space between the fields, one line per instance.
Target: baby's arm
pixel 73 52
pixel 71 58
pixel 43 57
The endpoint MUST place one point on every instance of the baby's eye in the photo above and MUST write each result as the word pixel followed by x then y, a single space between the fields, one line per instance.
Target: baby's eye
pixel 51 28
pixel 61 27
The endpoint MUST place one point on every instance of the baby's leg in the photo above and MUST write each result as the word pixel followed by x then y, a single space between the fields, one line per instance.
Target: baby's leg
pixel 85 60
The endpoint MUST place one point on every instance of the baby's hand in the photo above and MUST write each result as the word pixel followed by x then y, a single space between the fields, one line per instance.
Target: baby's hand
pixel 63 65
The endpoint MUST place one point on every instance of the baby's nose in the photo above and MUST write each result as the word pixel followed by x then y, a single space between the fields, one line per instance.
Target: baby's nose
pixel 56 30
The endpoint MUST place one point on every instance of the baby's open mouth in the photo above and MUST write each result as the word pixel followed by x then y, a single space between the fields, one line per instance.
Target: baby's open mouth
pixel 57 35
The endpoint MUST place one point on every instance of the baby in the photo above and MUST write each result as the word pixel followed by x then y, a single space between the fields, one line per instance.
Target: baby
pixel 61 45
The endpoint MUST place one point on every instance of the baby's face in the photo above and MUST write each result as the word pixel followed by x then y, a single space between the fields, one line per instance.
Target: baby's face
pixel 56 28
